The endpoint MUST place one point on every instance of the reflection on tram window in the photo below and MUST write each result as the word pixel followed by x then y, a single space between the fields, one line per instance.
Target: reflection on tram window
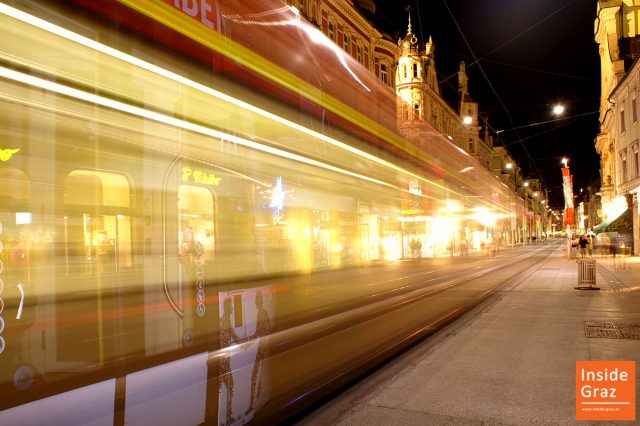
pixel 97 222
pixel 195 220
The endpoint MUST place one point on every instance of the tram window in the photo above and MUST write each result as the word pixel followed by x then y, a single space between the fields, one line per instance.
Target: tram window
pixel 97 222
pixel 195 223
pixel 15 185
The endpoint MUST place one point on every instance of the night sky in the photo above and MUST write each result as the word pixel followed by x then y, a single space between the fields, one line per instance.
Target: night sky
pixel 531 54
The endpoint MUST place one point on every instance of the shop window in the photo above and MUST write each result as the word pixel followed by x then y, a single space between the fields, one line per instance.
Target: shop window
pixel 97 222
pixel 195 224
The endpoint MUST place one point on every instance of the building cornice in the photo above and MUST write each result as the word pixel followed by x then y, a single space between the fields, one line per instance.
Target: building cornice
pixel 351 14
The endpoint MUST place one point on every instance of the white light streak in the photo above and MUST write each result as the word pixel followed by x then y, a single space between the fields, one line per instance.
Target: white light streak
pixel 69 35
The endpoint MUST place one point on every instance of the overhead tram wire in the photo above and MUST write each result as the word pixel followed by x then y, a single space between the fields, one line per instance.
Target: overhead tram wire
pixel 506 110
pixel 547 121
pixel 541 133
pixel 520 34
pixel 419 20
pixel 536 70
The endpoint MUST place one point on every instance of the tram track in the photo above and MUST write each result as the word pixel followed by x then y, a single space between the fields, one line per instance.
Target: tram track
pixel 382 329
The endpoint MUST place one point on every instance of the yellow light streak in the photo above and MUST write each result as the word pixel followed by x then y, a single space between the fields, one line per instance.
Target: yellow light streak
pixel 69 35
pixel 140 112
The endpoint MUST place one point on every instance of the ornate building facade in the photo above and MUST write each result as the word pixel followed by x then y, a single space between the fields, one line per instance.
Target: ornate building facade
pixel 409 68
pixel 347 23
pixel 617 32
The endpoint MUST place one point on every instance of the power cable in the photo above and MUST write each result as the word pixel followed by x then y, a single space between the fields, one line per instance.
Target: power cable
pixel 506 110
pixel 520 34
pixel 419 20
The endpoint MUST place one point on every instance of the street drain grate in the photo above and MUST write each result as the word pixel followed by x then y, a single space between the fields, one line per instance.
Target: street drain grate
pixel 611 330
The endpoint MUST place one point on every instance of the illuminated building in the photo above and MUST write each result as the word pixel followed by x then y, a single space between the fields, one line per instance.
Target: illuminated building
pixel 617 144
pixel 348 25
pixel 409 67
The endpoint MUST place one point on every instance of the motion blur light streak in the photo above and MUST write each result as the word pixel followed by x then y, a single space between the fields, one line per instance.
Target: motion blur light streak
pixel 203 239
pixel 204 89
pixel 85 96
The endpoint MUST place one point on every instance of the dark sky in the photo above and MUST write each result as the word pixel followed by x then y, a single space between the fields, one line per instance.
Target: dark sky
pixel 531 55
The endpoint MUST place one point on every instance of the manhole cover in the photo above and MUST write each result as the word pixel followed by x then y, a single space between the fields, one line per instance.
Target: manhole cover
pixel 612 330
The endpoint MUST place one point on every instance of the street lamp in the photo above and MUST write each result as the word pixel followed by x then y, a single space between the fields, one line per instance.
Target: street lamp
pixel 565 161
pixel 558 109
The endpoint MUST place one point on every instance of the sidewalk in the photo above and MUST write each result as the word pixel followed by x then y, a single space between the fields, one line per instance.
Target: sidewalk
pixel 511 361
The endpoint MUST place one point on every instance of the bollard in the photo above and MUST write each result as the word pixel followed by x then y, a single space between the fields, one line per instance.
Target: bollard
pixel 586 274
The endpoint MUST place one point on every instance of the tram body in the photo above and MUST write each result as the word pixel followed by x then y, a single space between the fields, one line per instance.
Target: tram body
pixel 144 188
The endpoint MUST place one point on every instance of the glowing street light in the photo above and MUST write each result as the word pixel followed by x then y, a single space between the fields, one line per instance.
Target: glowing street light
pixel 508 166
pixel 558 109
pixel 564 161
pixel 467 120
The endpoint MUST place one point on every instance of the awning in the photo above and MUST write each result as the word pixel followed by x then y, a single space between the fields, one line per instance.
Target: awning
pixel 621 224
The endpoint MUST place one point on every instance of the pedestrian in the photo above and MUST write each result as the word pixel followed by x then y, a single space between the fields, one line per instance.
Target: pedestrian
pixel 412 248
pixel 418 248
pixel 590 243
pixel 464 248
pixel 574 247
pixel 583 242
pixel 450 247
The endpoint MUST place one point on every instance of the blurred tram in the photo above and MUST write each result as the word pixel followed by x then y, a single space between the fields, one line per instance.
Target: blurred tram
pixel 166 167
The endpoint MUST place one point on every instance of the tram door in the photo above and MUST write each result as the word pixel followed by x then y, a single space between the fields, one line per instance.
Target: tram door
pixel 17 298
pixel 98 299
pixel 196 243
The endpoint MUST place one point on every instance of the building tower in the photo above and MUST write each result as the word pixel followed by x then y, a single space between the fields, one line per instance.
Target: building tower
pixel 468 110
pixel 410 79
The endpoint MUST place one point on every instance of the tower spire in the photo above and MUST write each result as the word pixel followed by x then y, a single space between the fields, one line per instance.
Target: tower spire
pixel 408 9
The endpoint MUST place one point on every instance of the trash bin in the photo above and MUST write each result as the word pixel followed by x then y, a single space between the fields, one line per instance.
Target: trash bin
pixel 586 274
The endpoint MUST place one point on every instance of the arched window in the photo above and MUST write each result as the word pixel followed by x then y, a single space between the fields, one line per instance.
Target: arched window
pixel 415 70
